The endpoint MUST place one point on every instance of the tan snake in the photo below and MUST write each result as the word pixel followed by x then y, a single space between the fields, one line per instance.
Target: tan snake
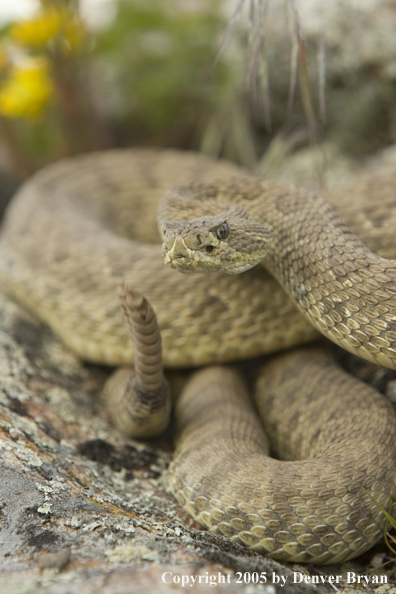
pixel 64 247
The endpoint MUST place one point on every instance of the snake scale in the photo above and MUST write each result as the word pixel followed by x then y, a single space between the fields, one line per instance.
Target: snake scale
pixel 72 233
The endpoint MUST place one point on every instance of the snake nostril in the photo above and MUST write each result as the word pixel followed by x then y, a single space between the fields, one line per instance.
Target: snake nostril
pixel 209 249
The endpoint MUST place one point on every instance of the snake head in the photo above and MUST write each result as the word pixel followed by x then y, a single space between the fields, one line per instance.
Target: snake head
pixel 229 242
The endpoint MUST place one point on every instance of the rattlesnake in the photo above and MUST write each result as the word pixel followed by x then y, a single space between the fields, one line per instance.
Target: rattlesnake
pixel 64 247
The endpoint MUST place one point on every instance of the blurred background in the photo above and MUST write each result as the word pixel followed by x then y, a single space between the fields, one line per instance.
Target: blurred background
pixel 303 91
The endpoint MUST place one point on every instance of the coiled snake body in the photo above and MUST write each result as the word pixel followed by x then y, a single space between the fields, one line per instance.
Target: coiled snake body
pixel 64 247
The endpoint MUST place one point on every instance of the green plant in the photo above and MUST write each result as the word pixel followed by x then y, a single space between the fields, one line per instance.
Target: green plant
pixel 155 64
pixel 390 521
pixel 146 78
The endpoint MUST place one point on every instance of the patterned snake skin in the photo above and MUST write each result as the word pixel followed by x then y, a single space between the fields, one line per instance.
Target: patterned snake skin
pixel 71 235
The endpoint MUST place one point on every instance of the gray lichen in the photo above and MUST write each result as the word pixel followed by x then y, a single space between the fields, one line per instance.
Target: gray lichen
pixel 82 508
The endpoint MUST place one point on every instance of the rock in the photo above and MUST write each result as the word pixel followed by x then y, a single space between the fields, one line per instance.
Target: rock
pixel 359 74
pixel 82 508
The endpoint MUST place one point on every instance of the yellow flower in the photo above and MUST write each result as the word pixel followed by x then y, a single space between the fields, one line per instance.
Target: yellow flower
pixel 3 58
pixel 49 24
pixel 27 91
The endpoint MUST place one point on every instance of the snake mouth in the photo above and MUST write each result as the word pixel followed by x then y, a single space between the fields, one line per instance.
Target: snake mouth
pixel 178 255
pixel 181 263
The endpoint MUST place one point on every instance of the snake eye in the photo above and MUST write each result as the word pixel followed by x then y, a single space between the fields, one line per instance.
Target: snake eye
pixel 222 231
pixel 164 230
